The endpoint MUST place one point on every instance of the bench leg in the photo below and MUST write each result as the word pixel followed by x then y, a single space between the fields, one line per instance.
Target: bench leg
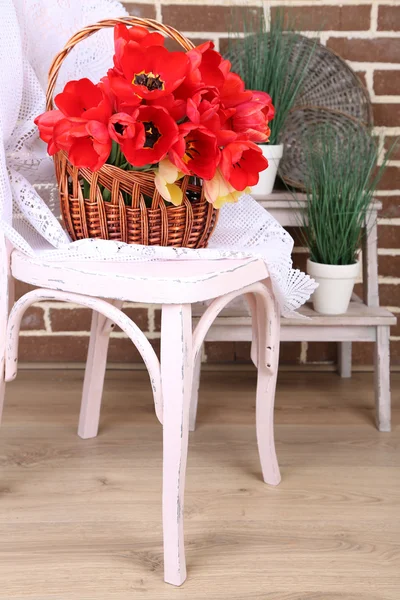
pixel 382 378
pixel 176 381
pixel 195 393
pixel 344 359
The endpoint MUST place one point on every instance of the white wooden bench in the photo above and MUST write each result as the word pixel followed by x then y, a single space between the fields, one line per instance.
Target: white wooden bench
pixel 365 320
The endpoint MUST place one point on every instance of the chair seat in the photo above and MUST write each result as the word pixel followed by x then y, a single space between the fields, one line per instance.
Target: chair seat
pixel 159 282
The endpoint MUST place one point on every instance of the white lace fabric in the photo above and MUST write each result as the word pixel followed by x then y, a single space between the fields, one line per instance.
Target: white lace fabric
pixel 32 32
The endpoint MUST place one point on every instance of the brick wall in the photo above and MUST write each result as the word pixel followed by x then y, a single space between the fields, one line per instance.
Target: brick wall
pixel 367 34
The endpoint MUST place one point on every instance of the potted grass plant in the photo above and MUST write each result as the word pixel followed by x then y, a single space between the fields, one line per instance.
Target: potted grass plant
pixel 271 58
pixel 342 176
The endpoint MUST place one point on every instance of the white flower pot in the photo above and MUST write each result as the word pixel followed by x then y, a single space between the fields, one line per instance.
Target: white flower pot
pixel 336 283
pixel 266 182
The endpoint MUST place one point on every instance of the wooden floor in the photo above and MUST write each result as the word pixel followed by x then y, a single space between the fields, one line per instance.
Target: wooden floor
pixel 81 520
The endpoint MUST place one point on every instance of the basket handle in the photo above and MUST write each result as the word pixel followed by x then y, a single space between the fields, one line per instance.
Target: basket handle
pixel 91 29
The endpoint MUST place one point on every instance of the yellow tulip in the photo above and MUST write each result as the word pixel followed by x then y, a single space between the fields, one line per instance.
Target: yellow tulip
pixel 166 176
pixel 218 191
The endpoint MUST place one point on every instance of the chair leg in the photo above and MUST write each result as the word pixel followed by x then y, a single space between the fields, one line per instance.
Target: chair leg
pixel 344 359
pixel 176 376
pixel 268 321
pixel 382 378
pixel 195 393
pixel 2 387
pixel 94 377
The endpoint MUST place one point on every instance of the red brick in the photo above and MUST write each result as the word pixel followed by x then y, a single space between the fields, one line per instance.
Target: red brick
pixel 66 348
pixel 173 45
pixel 53 348
pixel 362 77
pixel 157 319
pixel 386 115
pixel 387 82
pixel 390 179
pixel 242 352
pixel 389 18
pixel 389 236
pixel 389 294
pixel 33 319
pixel 300 260
pixel 140 316
pixel 369 50
pixel 144 11
pixel 395 353
pixel 22 288
pixel 121 350
pixel 209 18
pixel 220 352
pixel 318 352
pixel 363 354
pixel 390 206
pixel 389 266
pixel 395 329
pixel 323 18
pixel 70 319
pixel 392 144
pixel 79 319
pixel 290 353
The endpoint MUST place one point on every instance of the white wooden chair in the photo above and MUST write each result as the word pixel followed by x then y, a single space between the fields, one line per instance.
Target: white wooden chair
pixel 103 287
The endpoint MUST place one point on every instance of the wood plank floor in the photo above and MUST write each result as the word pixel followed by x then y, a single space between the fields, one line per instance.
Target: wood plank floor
pixel 81 520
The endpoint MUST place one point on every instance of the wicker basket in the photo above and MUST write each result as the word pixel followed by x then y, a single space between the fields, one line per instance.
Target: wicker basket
pixel 189 225
pixel 299 124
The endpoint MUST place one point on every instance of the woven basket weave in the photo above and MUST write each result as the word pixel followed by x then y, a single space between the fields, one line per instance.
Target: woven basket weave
pixel 300 124
pixel 189 225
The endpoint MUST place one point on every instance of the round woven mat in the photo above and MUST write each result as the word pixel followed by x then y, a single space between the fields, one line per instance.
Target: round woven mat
pixel 331 83
pixel 300 125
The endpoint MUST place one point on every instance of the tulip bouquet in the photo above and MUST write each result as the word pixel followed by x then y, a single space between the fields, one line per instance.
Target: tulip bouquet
pixel 173 113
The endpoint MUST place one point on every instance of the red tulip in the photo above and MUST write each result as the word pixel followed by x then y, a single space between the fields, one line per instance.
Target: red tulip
pixel 125 129
pixel 250 121
pixel 196 151
pixel 204 70
pixel 84 100
pixel 88 144
pixel 161 133
pixel 136 35
pixel 176 107
pixel 147 73
pixel 233 91
pixel 241 163
pixel 46 124
pixel 119 92
pixel 266 102
pixel 203 105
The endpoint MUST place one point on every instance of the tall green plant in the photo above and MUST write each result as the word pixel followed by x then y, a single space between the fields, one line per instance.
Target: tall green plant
pixel 342 176
pixel 272 57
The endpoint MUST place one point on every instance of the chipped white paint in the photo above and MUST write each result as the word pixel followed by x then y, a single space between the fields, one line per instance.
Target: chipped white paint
pixel 382 378
pixel 176 377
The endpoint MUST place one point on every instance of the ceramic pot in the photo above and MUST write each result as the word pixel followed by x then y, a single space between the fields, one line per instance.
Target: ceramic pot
pixel 336 283
pixel 267 178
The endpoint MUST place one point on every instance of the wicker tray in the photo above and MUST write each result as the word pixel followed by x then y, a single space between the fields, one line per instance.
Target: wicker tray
pixel 300 123
pixel 331 83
